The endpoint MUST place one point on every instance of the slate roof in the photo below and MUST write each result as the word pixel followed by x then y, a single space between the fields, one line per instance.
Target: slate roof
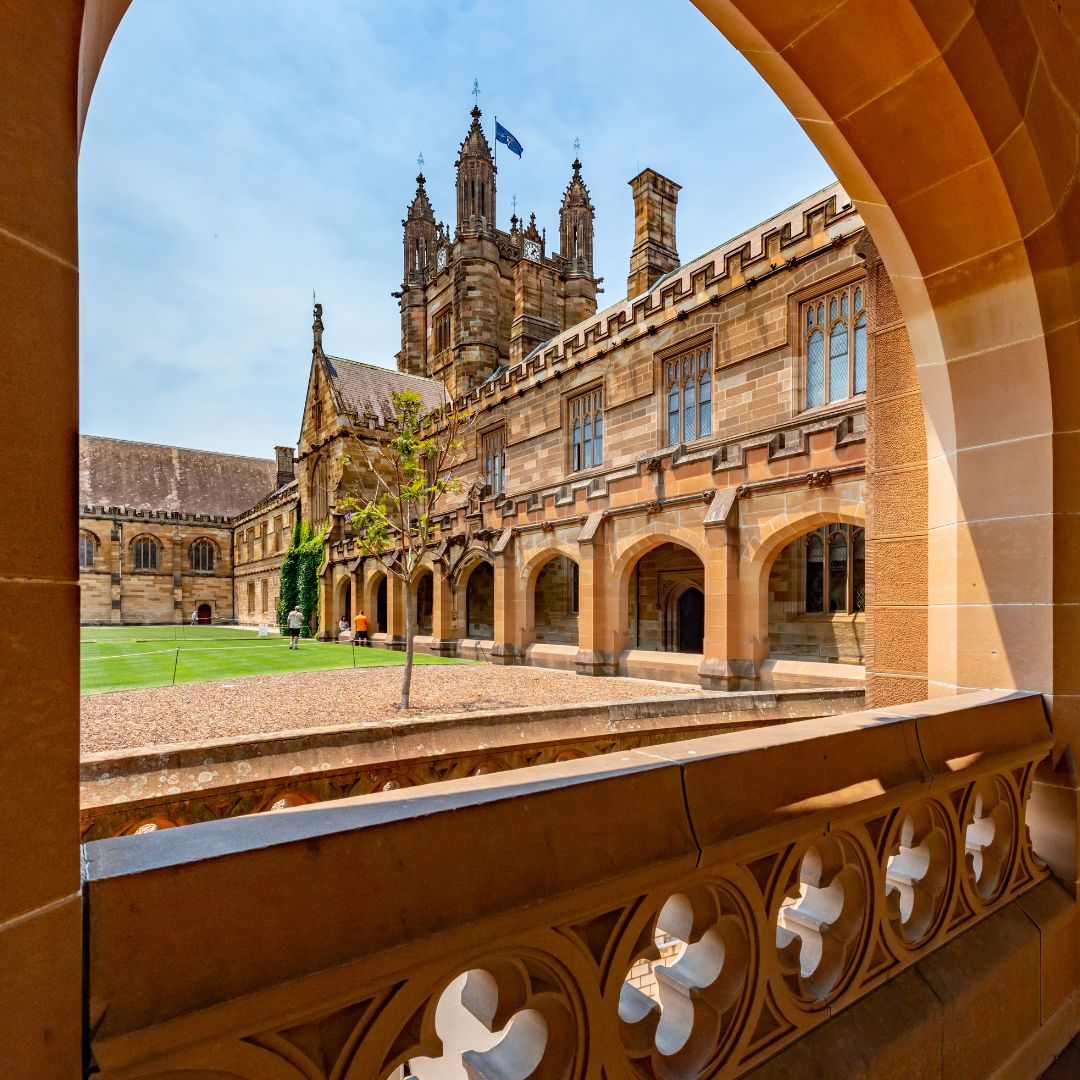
pixel 147 476
pixel 366 389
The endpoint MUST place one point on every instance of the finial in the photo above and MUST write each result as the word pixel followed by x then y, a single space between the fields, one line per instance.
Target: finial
pixel 420 161
pixel 476 92
pixel 577 148
pixel 513 203
pixel 317 323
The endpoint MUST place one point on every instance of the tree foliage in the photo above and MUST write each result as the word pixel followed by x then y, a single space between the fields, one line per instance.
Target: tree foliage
pixel 408 474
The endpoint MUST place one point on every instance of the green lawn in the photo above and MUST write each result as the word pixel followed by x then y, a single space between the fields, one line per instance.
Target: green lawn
pixel 129 657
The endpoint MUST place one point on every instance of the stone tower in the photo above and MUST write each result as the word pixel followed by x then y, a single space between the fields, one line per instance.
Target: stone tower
pixel 420 245
pixel 576 219
pixel 654 252
pixel 476 300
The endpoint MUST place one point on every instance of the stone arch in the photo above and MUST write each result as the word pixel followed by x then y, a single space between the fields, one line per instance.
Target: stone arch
pixel 140 555
pixel 343 601
pixel 528 578
pixel 377 584
pixel 424 599
pixel 89 546
pixel 193 553
pixel 631 552
pixel 678 580
pixel 473 615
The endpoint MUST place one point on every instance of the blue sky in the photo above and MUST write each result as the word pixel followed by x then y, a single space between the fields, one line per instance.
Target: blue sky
pixel 239 154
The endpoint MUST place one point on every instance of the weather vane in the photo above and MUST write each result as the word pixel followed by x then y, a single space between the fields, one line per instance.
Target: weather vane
pixel 513 203
pixel 577 148
pixel 476 91
pixel 420 161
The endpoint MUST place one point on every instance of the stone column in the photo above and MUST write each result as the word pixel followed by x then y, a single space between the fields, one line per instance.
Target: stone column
pixel 395 612
pixel 178 575
pixel 442 613
pixel 116 587
pixel 596 653
pixel 729 661
pixel 508 647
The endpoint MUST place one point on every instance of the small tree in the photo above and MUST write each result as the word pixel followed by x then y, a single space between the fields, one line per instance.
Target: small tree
pixel 411 471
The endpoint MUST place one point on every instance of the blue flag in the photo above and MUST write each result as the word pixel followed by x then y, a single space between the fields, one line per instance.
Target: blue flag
pixel 508 140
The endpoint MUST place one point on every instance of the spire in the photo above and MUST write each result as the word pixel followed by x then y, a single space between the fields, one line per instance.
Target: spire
pixel 475 144
pixel 420 207
pixel 576 224
pixel 317 330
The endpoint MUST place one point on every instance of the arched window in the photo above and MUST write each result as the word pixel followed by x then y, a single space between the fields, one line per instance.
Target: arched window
pixel 202 556
pixel 145 551
pixel 838 372
pixel 689 400
pixel 835 571
pixel 320 496
pixel 87 548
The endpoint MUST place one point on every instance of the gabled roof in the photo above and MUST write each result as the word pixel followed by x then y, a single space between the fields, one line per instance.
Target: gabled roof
pixel 151 477
pixel 366 389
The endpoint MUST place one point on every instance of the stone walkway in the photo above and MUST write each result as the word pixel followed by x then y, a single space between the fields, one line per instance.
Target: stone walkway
pixel 262 705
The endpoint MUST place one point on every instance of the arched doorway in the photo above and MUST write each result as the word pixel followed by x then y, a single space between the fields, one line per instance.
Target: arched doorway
pixel 480 603
pixel 380 607
pixel 666 600
pixel 690 620
pixel 425 603
pixel 817 596
pixel 555 602
pixel 204 615
pixel 345 601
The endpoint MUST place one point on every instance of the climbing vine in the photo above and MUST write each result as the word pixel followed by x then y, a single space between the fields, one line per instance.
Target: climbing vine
pixel 300 577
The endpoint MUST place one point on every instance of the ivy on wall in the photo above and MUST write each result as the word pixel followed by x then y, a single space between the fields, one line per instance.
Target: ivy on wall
pixel 300 577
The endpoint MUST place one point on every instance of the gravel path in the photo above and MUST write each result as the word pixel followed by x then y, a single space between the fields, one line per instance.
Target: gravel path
pixel 260 705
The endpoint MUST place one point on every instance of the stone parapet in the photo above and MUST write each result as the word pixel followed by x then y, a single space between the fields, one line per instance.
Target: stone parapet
pixel 801 867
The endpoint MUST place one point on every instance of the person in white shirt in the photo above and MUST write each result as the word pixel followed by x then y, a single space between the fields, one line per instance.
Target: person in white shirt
pixel 295 621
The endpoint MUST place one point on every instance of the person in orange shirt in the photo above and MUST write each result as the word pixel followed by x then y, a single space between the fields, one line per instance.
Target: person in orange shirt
pixel 360 634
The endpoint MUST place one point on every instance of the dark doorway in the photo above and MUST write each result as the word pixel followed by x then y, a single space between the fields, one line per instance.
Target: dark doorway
pixel 205 616
pixel 692 621
pixel 346 609
pixel 425 604
pixel 380 608
pixel 480 603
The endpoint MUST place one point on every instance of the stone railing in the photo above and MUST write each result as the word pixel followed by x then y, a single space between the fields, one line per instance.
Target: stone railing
pixel 796 869
pixel 143 790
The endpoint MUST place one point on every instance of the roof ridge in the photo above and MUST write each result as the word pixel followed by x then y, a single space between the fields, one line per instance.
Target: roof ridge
pixel 172 446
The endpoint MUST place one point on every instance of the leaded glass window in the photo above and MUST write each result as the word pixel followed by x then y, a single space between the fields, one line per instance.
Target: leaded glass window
pixel 586 412
pixel 688 378
pixel 835 570
pixel 202 556
pixel 87 547
pixel 145 550
pixel 838 371
pixel 493 451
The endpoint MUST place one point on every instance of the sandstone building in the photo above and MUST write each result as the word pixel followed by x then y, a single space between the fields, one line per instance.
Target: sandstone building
pixel 954 128
pixel 671 486
pixel 165 532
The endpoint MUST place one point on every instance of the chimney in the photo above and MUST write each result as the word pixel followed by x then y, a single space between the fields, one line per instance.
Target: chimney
pixel 285 471
pixel 654 253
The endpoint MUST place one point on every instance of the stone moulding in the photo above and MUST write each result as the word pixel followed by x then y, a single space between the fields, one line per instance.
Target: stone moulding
pixel 800 867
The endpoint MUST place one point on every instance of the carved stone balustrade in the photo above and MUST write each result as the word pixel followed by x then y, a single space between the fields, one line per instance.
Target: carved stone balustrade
pixel 797 869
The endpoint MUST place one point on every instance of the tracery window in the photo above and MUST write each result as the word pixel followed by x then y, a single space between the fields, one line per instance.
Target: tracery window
pixel 493 453
pixel 586 414
pixel 834 345
pixel 320 495
pixel 145 550
pixel 442 331
pixel 87 548
pixel 688 384
pixel 202 556
pixel 836 570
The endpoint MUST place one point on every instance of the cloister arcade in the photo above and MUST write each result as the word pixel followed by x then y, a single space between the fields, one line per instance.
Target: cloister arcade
pixel 976 464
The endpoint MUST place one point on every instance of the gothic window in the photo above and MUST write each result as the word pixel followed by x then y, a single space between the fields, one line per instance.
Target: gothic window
pixel 202 556
pixel 688 378
pixel 586 414
pixel 835 570
pixel 834 346
pixel 251 597
pixel 442 331
pixel 87 548
pixel 250 544
pixel 493 452
pixel 145 550
pixel 320 495
pixel 265 593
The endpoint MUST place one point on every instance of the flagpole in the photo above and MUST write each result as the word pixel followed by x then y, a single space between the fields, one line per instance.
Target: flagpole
pixel 496 162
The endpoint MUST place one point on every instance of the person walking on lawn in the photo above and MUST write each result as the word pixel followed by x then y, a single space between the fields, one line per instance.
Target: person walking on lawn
pixel 360 635
pixel 296 620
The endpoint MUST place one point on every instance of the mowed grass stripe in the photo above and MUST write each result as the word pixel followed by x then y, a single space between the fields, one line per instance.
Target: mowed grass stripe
pixel 135 664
